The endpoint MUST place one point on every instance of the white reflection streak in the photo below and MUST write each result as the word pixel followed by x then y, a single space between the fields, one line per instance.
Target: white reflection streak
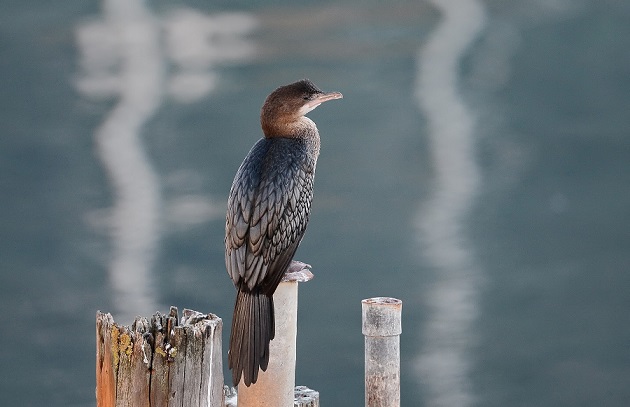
pixel 125 56
pixel 452 301
pixel 136 210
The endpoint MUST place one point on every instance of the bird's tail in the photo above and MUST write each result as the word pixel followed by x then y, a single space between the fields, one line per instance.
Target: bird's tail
pixel 252 330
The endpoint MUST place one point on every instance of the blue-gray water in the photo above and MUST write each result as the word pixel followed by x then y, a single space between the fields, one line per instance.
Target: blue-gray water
pixel 478 168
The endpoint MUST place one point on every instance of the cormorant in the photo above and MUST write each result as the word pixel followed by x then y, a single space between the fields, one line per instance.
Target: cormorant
pixel 268 210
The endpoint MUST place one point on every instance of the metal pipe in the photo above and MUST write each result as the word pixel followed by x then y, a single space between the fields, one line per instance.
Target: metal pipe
pixel 382 328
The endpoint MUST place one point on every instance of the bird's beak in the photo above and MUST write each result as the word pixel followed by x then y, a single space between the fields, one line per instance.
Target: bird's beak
pixel 324 97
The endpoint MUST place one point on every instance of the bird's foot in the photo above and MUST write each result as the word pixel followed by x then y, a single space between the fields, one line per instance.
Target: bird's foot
pixel 298 271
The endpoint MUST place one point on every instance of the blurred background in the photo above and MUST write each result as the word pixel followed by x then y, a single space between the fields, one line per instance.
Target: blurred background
pixel 478 168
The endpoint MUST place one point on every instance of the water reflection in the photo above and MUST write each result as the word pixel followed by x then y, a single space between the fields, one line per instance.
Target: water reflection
pixel 122 55
pixel 197 43
pixel 444 364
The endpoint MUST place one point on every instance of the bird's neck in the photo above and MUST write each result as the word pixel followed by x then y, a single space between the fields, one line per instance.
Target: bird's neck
pixel 302 128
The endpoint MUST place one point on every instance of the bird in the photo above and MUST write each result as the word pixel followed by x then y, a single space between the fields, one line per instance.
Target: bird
pixel 267 213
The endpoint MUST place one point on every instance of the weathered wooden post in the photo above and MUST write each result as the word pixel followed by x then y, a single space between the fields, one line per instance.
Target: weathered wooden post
pixel 275 387
pixel 159 362
pixel 382 328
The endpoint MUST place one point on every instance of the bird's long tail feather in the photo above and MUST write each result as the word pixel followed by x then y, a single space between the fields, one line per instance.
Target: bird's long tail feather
pixel 252 330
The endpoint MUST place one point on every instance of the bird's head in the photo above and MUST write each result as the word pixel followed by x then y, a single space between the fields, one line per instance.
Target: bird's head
pixel 286 106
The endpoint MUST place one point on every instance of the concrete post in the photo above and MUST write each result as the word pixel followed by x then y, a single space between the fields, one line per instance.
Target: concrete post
pixel 275 386
pixel 382 328
pixel 305 397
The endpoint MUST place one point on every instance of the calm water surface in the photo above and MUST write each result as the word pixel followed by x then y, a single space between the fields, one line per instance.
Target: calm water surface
pixel 477 168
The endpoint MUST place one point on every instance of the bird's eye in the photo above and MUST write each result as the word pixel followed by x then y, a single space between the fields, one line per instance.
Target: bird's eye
pixel 306 97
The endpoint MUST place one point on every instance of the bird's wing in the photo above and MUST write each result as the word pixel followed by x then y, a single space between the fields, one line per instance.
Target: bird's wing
pixel 268 211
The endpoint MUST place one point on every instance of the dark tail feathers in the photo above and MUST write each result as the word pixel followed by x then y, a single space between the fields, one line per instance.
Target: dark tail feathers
pixel 252 330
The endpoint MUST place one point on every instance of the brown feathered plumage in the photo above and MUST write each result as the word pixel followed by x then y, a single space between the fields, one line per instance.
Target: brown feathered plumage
pixel 268 210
